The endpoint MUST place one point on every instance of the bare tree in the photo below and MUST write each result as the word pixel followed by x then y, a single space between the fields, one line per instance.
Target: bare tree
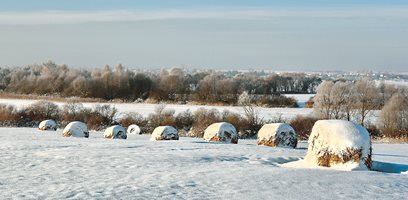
pixel 366 98
pixel 73 107
pixel 348 107
pixel 252 115
pixel 394 115
pixel 343 101
pixel 340 95
pixel 323 100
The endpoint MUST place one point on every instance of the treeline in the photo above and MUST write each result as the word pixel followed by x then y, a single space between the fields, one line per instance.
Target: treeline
pixel 172 85
pixel 356 101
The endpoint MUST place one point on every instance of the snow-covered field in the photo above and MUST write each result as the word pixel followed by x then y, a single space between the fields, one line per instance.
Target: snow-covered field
pixel 301 99
pixel 44 165
pixel 394 82
pixel 145 108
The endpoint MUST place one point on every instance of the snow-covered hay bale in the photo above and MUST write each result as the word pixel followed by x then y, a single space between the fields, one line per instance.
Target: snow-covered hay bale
pixel 339 144
pixel 76 129
pixel 115 132
pixel 48 125
pixel 221 132
pixel 277 135
pixel 134 130
pixel 164 133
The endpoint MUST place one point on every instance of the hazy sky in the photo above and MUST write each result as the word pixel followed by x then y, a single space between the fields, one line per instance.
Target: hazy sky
pixel 236 34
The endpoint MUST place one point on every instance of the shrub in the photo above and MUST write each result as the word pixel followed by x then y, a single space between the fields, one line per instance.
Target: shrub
pixel 303 126
pixel 134 118
pixel 101 117
pixel 161 117
pixel 243 126
pixel 393 118
pixel 277 101
pixel 42 110
pixel 8 115
pixel 73 110
pixel 202 119
pixel 184 121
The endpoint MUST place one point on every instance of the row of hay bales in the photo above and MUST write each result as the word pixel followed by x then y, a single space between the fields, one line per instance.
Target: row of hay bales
pixel 79 129
pixel 331 142
pixel 277 134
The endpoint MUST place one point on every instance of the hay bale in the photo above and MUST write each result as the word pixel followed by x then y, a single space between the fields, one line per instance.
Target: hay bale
pixel 48 125
pixel 277 135
pixel 164 133
pixel 115 132
pixel 221 132
pixel 76 129
pixel 134 130
pixel 339 144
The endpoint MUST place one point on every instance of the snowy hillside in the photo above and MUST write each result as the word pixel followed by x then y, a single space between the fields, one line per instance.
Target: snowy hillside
pixel 42 164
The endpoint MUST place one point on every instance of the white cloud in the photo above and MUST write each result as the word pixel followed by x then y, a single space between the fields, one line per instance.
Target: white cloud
pixel 63 17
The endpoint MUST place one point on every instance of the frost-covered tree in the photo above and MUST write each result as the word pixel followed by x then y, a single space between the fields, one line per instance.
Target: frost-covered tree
pixel 366 97
pixel 394 115
pixel 323 102
pixel 252 115
pixel 342 100
pixel 244 99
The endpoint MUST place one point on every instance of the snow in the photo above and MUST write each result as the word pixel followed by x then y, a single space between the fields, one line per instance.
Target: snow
pixel 44 165
pixel 403 83
pixel 76 129
pixel 145 108
pixel 221 132
pixel 48 124
pixel 115 132
pixel 277 134
pixel 133 130
pixel 164 133
pixel 301 99
pixel 337 137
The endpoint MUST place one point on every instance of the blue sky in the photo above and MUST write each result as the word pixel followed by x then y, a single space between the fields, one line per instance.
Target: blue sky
pixel 157 4
pixel 258 34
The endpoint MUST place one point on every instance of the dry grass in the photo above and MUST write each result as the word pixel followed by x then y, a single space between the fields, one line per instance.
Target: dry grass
pixel 303 126
pixel 327 159
pixel 275 142
pixel 7 95
pixel 66 134
pixel 388 140
pixel 270 142
pixel 174 137
pixel 217 139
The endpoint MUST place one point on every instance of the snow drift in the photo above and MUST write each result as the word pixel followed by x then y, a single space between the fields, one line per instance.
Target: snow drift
pixel 164 133
pixel 76 129
pixel 115 132
pixel 277 135
pixel 221 132
pixel 134 130
pixel 339 144
pixel 48 125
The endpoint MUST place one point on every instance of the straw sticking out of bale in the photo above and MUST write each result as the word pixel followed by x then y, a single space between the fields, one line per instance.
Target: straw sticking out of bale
pixel 48 125
pixel 221 132
pixel 164 133
pixel 115 132
pixel 76 129
pixel 277 135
